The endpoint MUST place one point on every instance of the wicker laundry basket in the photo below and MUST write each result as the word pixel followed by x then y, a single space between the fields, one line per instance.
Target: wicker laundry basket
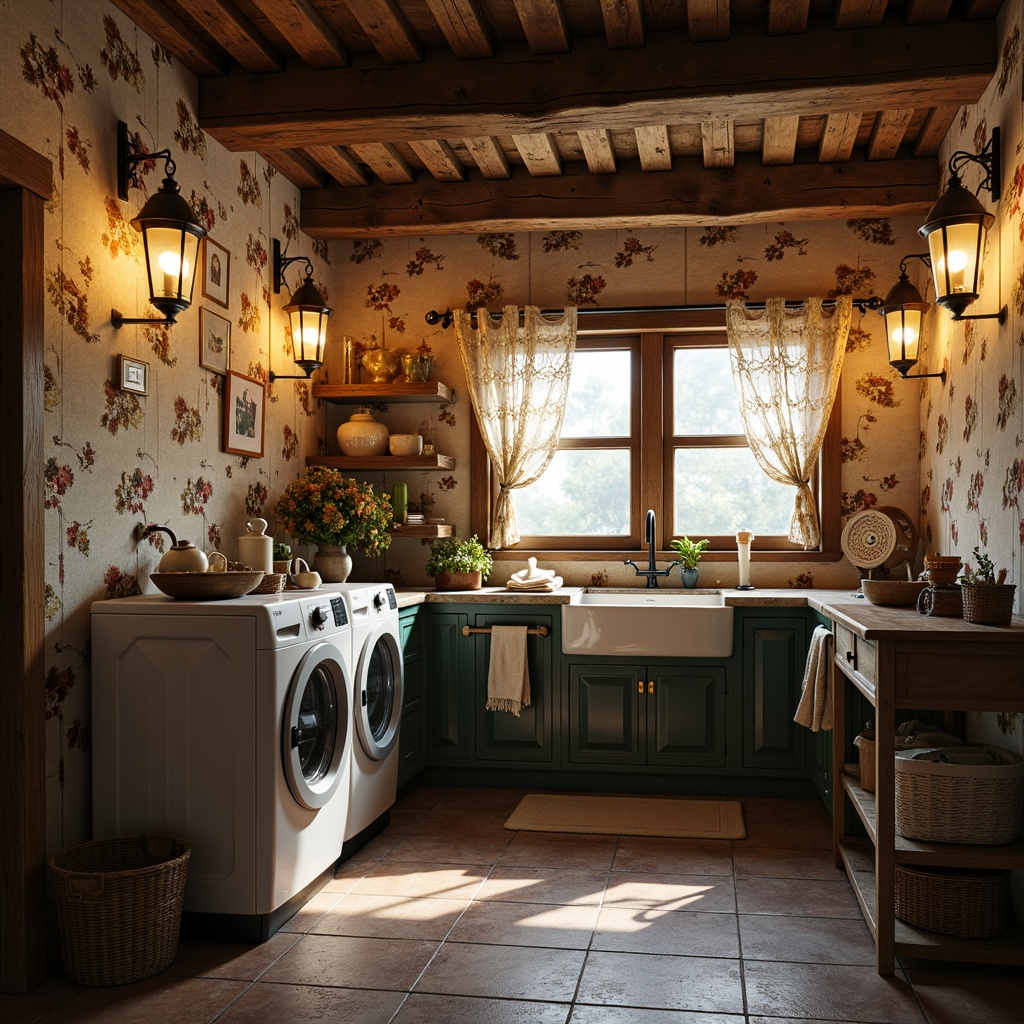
pixel 865 744
pixel 959 803
pixel 989 604
pixel 119 906
pixel 970 904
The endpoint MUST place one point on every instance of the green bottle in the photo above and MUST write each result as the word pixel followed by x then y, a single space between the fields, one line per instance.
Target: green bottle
pixel 400 502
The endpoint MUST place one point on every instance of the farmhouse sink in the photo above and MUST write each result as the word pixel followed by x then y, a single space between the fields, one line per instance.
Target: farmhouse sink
pixel 648 623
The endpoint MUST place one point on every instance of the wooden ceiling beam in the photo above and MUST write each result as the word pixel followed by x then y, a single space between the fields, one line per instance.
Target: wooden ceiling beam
pixel 544 25
pixel 386 28
pixel 539 153
pixel 887 134
pixel 707 20
pixel 838 137
pixel 464 27
pixel 787 16
pixel 689 195
pixel 669 81
pixel 489 156
pixel 307 32
pixel 295 167
pixel 386 162
pixel 159 21
pixel 778 144
pixel 439 158
pixel 653 147
pixel 936 123
pixel 623 23
pixel 236 33
pixel 921 12
pixel 345 169
pixel 860 13
pixel 719 143
pixel 599 151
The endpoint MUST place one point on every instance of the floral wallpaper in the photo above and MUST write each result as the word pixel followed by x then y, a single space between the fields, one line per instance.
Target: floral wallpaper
pixel 117 460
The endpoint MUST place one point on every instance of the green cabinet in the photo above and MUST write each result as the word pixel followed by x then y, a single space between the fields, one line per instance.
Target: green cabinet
pixel 447 687
pixel 664 716
pixel 774 652
pixel 412 750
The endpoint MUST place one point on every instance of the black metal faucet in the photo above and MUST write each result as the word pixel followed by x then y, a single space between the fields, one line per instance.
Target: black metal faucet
pixel 652 572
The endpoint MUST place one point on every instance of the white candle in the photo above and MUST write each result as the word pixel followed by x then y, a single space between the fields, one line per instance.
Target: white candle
pixel 743 539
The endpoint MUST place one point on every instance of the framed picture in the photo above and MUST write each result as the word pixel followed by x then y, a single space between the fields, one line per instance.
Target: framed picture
pixel 214 341
pixel 216 270
pixel 244 401
pixel 133 375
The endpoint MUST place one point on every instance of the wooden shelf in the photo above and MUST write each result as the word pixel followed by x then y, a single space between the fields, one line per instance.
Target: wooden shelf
pixel 368 394
pixel 919 851
pixel 429 530
pixel 387 463
pixel 1007 948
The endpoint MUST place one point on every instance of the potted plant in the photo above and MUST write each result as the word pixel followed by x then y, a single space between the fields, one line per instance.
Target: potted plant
pixel 459 564
pixel 689 555
pixel 328 509
pixel 988 599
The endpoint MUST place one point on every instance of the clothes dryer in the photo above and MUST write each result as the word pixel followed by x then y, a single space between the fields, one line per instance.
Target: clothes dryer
pixel 228 723
pixel 378 692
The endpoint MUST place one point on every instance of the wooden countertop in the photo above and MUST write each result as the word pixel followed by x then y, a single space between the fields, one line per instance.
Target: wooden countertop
pixel 877 622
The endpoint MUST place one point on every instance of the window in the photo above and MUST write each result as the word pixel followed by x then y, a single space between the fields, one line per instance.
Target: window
pixel 652 421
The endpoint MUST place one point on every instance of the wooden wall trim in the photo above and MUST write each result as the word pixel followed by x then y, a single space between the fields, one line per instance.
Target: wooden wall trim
pixel 21 167
pixel 22 568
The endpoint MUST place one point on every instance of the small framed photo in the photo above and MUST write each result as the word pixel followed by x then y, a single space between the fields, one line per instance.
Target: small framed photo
pixel 133 375
pixel 244 401
pixel 216 271
pixel 214 341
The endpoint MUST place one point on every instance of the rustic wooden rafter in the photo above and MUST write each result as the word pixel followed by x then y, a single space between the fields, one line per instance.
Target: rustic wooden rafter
pixel 305 29
pixel 464 27
pixel 386 27
pixel 235 33
pixel 623 23
pixel 159 21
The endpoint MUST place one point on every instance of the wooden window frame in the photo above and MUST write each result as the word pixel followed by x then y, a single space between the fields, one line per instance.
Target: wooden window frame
pixel 651 473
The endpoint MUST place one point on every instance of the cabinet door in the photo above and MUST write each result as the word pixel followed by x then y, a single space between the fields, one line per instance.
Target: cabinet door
pixel 774 651
pixel 686 716
pixel 447 685
pixel 500 735
pixel 411 737
pixel 604 715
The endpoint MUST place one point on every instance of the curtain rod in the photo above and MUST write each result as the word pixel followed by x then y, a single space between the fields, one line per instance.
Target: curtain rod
pixel 446 318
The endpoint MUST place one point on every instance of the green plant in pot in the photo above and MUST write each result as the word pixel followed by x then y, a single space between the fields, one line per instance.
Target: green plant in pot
pixel 459 564
pixel 689 552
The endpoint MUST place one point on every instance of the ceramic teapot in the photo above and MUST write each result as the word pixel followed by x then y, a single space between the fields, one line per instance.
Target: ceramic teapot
pixel 183 555
pixel 302 577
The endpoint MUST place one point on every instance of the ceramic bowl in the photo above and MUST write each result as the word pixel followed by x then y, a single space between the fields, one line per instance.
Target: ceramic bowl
pixel 406 444
pixel 382 364
pixel 898 593
pixel 207 586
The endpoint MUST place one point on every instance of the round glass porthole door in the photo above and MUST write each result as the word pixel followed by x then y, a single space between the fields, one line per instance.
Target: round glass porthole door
pixel 380 694
pixel 315 732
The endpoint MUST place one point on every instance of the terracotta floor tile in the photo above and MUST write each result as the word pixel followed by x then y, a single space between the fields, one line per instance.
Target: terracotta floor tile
pixel 664 931
pixel 825 992
pixel 811 940
pixel 421 799
pixel 796 897
pixel 311 912
pixel 543 885
pixel 299 1004
pixel 952 994
pixel 409 878
pixel 768 862
pixel 393 917
pixel 472 800
pixel 162 998
pixel 792 812
pixel 430 849
pixel 782 836
pixel 540 850
pixel 526 924
pixel 228 959
pixel 504 972
pixel 662 982
pixel 349 962
pixel 706 893
pixel 679 856
pixel 636 1015
pixel 438 1009
pixel 459 826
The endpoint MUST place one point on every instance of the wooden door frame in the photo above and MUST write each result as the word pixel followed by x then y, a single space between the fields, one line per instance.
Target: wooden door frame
pixel 26 184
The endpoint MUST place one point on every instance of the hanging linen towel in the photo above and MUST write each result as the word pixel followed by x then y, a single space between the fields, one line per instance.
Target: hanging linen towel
pixel 815 709
pixel 508 678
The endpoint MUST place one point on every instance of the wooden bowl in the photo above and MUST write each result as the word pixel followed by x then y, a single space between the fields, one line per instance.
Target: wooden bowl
pixel 207 586
pixel 897 593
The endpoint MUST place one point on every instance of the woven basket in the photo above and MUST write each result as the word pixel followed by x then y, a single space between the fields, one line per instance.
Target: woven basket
pixel 959 803
pixel 272 583
pixel 119 906
pixel 971 904
pixel 989 605
pixel 947 601
pixel 865 744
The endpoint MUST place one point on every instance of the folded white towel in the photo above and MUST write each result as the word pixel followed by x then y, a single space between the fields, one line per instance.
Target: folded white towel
pixel 543 585
pixel 531 572
pixel 814 711
pixel 508 678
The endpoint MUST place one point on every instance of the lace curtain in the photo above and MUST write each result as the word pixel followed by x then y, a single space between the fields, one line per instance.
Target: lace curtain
pixel 518 380
pixel 786 364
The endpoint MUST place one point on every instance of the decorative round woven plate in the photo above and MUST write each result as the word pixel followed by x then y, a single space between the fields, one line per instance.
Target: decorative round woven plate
pixel 207 586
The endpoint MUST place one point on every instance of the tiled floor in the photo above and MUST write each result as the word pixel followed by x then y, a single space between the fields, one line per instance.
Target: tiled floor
pixel 446 917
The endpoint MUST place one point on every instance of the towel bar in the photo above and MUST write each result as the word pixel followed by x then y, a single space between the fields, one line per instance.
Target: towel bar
pixel 531 630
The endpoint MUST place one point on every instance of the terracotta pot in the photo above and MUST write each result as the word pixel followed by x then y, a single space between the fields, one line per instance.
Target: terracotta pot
pixel 458 580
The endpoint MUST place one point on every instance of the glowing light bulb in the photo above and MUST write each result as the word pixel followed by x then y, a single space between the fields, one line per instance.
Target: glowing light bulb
pixel 170 263
pixel 904 335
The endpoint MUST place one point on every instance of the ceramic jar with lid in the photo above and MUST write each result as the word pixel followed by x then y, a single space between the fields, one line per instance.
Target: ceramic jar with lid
pixel 362 435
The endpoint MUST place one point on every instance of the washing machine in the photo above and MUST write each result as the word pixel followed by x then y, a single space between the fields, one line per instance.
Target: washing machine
pixel 378 691
pixel 228 723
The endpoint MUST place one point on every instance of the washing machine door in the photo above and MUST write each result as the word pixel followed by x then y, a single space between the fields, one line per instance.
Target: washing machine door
pixel 315 737
pixel 379 694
